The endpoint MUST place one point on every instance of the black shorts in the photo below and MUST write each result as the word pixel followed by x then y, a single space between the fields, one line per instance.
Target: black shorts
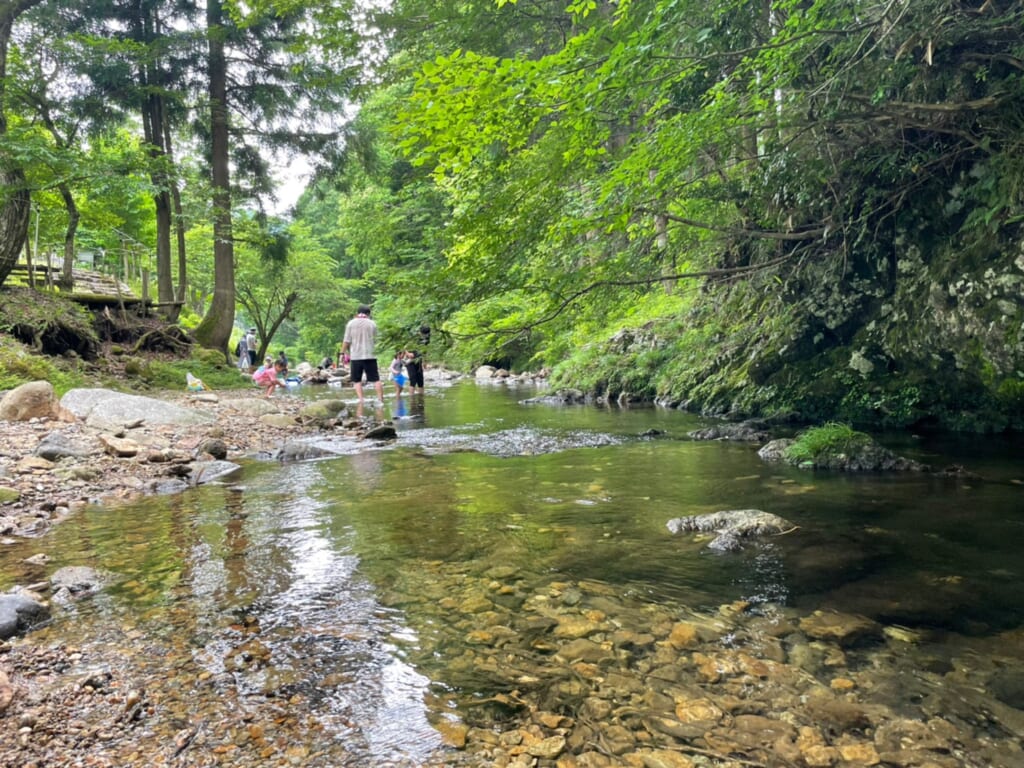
pixel 415 371
pixel 368 367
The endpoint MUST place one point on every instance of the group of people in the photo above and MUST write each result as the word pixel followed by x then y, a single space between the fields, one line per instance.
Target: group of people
pixel 411 362
pixel 246 350
pixel 357 351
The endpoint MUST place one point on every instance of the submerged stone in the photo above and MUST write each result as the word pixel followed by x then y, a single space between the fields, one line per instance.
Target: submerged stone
pixel 731 526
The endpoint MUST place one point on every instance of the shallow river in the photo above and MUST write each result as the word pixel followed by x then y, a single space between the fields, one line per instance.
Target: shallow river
pixel 386 604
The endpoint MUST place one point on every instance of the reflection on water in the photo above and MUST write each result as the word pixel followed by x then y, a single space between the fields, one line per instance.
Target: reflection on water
pixel 360 589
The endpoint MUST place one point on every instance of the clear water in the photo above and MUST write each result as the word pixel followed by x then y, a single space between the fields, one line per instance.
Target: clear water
pixel 334 569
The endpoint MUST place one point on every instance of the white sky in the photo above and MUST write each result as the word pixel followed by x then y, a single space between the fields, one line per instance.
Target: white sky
pixel 291 176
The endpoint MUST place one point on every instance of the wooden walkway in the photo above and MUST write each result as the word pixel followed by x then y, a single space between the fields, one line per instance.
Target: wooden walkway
pixel 90 287
pixel 86 281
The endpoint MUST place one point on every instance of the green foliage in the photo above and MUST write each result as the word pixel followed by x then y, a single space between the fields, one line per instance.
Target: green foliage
pixel 828 439
pixel 18 366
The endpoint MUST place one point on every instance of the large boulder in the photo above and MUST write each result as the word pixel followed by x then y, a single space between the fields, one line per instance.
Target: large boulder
pixel 104 408
pixel 35 400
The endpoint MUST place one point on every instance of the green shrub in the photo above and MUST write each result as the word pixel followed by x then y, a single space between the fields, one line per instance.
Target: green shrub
pixel 830 438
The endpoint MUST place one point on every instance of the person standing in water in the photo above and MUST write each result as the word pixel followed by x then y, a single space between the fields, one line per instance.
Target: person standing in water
pixel 357 350
pixel 414 367
pixel 395 374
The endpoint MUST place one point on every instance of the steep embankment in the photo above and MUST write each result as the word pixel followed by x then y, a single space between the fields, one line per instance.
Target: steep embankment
pixel 916 334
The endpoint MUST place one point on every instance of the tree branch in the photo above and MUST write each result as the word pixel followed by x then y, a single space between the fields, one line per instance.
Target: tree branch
pixel 761 234
pixel 727 272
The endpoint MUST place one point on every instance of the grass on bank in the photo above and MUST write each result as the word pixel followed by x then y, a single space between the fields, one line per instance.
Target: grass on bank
pixel 129 373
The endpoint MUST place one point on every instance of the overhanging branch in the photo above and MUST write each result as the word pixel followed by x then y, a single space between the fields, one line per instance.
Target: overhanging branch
pixel 573 297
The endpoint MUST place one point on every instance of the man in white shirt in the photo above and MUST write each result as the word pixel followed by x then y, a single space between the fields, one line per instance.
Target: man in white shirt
pixel 357 349
pixel 252 346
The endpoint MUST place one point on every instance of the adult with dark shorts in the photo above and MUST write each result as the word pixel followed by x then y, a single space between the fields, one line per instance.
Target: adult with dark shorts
pixel 357 350
pixel 414 367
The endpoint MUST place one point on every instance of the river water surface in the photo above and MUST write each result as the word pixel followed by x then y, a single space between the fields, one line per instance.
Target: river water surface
pixel 372 599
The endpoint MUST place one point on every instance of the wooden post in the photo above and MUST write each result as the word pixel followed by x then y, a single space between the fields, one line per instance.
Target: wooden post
pixel 145 292
pixel 28 262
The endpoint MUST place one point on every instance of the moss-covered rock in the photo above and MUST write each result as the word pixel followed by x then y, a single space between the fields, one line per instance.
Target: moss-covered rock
pixel 837 447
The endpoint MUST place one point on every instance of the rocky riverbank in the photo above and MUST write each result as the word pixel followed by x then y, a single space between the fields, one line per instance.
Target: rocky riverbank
pixel 534 668
pixel 96 447
pixel 54 462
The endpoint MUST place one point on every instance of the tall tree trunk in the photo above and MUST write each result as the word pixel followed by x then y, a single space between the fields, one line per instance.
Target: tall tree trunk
pixel 67 280
pixel 179 223
pixel 153 122
pixel 214 331
pixel 145 30
pixel 14 194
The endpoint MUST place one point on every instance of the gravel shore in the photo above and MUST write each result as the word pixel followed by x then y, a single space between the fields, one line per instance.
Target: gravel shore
pixel 48 718
pixel 35 492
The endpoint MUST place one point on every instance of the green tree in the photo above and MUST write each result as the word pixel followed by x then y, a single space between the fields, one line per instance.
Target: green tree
pixel 668 138
pixel 282 275
pixel 296 58
pixel 14 193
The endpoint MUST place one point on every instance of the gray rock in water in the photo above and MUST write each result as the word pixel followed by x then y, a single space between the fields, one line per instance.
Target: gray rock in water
pixel 323 413
pixel 19 613
pixel 299 450
pixel 775 451
pixel 75 582
pixel 207 471
pixel 381 432
pixel 561 397
pixel 78 578
pixel 747 432
pixel 166 487
pixel 865 456
pixel 732 526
